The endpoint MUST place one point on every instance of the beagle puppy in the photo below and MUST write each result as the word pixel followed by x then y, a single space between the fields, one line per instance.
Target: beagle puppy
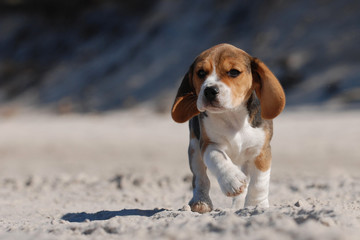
pixel 230 99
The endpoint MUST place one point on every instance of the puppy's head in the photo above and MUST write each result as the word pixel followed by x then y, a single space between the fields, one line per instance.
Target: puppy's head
pixel 221 79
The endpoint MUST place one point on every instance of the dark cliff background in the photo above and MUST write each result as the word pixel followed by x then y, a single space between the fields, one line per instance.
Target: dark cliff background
pixel 94 56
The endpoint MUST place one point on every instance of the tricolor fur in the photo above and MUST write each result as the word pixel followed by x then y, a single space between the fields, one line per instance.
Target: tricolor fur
pixel 229 98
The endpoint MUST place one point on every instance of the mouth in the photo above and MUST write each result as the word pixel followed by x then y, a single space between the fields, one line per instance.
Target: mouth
pixel 210 106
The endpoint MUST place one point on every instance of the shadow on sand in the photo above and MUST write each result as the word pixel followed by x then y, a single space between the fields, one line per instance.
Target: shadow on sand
pixel 105 215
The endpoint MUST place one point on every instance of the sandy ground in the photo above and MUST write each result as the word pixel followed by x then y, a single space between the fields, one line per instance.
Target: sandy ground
pixel 125 175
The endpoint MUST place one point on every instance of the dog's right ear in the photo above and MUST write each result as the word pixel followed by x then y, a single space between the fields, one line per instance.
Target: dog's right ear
pixel 184 107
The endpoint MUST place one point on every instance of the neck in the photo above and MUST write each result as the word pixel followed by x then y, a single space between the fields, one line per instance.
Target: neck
pixel 235 118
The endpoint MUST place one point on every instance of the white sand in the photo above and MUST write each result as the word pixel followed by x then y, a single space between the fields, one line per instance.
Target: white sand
pixel 126 176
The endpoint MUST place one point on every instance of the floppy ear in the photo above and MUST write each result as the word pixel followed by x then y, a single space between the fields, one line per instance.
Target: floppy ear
pixel 268 90
pixel 184 107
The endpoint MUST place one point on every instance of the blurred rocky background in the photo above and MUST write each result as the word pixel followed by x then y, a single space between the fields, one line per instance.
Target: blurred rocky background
pixel 95 56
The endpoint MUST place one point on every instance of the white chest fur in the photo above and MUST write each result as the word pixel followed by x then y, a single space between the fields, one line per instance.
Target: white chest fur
pixel 233 134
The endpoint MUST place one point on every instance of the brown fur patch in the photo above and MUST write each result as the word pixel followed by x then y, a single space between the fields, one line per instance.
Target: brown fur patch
pixel 263 161
pixel 204 140
pixel 268 89
pixel 184 107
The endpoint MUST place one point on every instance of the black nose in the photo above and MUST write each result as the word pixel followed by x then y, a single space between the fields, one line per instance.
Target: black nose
pixel 211 92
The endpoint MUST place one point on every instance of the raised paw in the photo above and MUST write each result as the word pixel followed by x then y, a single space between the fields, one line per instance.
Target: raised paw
pixel 232 182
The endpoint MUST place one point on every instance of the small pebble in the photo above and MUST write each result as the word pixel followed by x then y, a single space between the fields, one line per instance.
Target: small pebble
pixel 303 204
pixel 298 203
pixel 186 208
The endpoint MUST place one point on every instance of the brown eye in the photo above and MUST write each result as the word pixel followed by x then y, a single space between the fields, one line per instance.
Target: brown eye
pixel 201 73
pixel 233 73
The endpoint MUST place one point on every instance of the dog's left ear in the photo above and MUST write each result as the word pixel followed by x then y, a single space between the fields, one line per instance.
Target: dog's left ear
pixel 268 89
pixel 184 107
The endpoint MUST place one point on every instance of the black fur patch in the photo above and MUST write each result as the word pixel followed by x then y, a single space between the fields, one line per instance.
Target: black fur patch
pixel 194 126
pixel 253 106
pixel 203 115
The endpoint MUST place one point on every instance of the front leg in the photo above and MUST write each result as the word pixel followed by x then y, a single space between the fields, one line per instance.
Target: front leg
pixel 201 201
pixel 259 171
pixel 238 202
pixel 231 179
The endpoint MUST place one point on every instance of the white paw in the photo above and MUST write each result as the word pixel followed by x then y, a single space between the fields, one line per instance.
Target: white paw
pixel 232 181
